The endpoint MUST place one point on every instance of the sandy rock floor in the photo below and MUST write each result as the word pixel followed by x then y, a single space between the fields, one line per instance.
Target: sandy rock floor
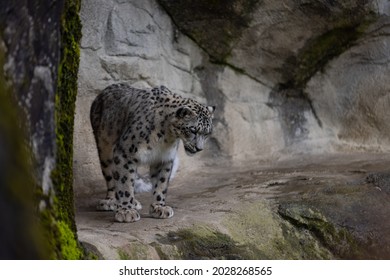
pixel 273 207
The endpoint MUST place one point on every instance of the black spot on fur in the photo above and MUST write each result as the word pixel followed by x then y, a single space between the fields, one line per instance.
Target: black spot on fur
pixel 108 178
pixel 116 160
pixel 116 175
pixel 120 193
pixel 125 203
pixel 162 179
pixel 127 194
pixel 124 179
pixel 158 198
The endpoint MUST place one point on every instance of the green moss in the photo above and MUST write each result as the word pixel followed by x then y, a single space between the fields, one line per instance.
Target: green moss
pixel 265 236
pixel 166 251
pixel 135 251
pixel 65 100
pixel 70 249
pixel 202 242
pixel 254 231
pixel 123 255
pixel 337 240
pixel 49 233
pixel 62 176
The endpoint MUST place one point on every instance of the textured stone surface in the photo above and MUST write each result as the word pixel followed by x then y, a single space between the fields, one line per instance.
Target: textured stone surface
pixel 351 97
pixel 17 239
pixel 32 67
pixel 327 207
pixel 291 77
pixel 38 74
pixel 288 78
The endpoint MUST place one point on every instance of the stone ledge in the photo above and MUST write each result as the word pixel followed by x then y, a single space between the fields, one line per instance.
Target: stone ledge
pixel 308 208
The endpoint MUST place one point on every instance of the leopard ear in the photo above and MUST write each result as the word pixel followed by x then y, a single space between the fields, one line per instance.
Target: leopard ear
pixel 211 109
pixel 183 112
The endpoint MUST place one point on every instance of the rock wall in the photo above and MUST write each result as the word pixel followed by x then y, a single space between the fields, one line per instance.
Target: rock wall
pixel 287 77
pixel 39 57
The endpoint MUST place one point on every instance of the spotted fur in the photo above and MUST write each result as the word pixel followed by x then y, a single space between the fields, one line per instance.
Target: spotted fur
pixel 134 127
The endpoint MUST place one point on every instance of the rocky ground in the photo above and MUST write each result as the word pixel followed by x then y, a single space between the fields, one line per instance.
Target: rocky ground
pixel 317 207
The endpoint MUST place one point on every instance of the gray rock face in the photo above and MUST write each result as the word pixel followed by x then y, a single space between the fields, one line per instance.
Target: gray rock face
pixel 351 96
pixel 290 76
pixel 32 68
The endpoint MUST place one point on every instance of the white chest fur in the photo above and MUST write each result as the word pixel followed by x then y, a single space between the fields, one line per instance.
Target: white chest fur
pixel 160 152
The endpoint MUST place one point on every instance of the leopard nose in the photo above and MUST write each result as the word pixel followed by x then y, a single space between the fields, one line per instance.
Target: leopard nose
pixel 198 149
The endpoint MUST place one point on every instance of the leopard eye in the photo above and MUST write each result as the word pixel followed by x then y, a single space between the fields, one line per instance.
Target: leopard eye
pixel 193 130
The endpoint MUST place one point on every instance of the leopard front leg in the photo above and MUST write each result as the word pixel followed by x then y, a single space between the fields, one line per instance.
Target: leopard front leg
pixel 124 175
pixel 160 177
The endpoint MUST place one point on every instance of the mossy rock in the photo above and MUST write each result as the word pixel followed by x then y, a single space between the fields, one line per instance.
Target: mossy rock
pixel 256 227
pixel 252 231
pixel 54 205
pixel 136 250
pixel 58 217
pixel 336 239
pixel 204 242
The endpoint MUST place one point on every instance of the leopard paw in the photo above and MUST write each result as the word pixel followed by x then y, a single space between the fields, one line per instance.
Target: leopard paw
pixel 127 215
pixel 161 212
pixel 108 204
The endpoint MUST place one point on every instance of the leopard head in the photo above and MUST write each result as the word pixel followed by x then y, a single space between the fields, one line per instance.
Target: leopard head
pixel 193 125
